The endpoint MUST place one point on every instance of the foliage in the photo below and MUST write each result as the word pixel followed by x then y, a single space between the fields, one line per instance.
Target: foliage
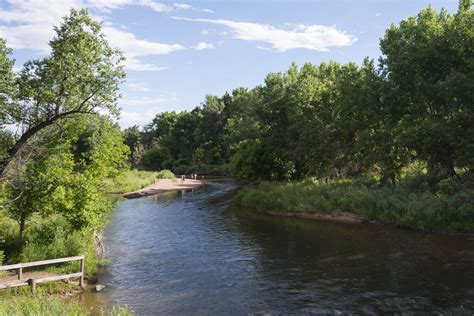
pixel 81 76
pixel 337 120
pixel 128 181
pixel 66 178
pixel 51 238
pixel 434 85
pixel 7 86
pixel 131 137
pixel 450 208
pixel 156 158
pixel 166 174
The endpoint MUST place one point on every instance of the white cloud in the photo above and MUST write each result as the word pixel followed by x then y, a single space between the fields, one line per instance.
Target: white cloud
pixel 128 119
pixel 138 87
pixel 378 14
pixel 156 6
pixel 203 45
pixel 141 110
pixel 134 49
pixel 314 37
pixel 29 24
pixel 146 101
pixel 208 10
pixel 182 6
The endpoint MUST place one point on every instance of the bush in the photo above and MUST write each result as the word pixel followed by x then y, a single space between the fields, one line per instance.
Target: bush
pixel 52 237
pixel 165 174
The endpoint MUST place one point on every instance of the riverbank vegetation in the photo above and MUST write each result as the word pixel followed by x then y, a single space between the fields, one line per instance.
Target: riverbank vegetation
pixel 128 181
pixel 377 121
pixel 412 204
pixel 44 305
pixel 65 145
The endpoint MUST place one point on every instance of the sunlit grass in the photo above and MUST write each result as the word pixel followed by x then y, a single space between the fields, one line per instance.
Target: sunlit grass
pixel 129 181
pixel 47 305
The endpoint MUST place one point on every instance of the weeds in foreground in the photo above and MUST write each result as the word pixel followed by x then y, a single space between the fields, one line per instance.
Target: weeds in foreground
pixel 46 305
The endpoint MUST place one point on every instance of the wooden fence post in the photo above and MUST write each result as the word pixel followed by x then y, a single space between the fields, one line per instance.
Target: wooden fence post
pixel 20 273
pixel 33 285
pixel 81 280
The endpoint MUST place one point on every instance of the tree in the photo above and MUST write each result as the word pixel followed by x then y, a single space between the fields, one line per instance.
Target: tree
pixel 65 177
pixel 7 85
pixel 429 60
pixel 132 138
pixel 81 76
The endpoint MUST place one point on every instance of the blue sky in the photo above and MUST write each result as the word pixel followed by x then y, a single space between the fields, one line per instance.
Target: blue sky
pixel 177 52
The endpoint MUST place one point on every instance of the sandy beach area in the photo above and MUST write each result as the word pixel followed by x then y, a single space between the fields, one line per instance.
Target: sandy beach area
pixel 163 185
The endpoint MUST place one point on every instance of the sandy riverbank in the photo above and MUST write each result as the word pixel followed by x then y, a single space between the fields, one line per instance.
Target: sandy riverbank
pixel 341 217
pixel 163 185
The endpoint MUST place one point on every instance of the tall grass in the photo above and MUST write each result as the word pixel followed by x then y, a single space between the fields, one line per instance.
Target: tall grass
pixel 445 209
pixel 46 305
pixel 40 306
pixel 129 181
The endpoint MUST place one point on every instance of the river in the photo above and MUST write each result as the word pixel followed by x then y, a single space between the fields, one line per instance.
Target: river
pixel 191 253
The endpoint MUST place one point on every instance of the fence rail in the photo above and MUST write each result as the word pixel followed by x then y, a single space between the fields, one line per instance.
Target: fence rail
pixel 34 281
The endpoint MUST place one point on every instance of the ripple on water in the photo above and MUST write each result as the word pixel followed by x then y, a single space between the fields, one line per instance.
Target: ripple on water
pixel 192 254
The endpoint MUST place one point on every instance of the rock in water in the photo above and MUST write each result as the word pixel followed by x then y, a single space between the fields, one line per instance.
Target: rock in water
pixel 99 287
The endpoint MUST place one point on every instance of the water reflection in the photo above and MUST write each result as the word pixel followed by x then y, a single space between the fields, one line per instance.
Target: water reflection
pixel 191 254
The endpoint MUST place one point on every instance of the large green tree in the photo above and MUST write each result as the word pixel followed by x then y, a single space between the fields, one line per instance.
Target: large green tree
pixel 429 60
pixel 65 177
pixel 81 76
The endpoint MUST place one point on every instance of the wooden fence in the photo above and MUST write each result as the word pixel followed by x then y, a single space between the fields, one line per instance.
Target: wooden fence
pixel 21 281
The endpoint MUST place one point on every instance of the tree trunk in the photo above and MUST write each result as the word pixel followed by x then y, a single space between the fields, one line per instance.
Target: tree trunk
pixel 22 223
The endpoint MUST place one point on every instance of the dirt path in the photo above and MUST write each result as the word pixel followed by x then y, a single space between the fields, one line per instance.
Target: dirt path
pixel 163 185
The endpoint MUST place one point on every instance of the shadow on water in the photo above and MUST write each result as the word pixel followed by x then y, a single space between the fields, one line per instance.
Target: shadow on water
pixel 190 253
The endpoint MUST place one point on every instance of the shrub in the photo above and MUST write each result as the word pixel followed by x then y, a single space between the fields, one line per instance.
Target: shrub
pixel 52 237
pixel 165 174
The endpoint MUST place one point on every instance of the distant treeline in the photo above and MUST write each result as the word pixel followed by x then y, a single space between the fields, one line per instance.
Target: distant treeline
pixel 338 120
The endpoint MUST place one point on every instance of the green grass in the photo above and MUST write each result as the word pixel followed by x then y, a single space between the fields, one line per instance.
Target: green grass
pixel 449 208
pixel 39 306
pixel 47 305
pixel 129 181
pixel 47 301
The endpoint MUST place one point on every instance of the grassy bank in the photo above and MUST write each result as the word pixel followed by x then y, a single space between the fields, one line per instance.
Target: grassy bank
pixel 53 235
pixel 46 305
pixel 128 181
pixel 50 299
pixel 447 207
pixel 133 180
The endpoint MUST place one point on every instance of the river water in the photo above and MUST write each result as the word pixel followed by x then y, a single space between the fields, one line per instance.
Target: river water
pixel 191 253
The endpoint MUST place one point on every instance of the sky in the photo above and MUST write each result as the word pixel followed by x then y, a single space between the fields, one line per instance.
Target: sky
pixel 179 52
